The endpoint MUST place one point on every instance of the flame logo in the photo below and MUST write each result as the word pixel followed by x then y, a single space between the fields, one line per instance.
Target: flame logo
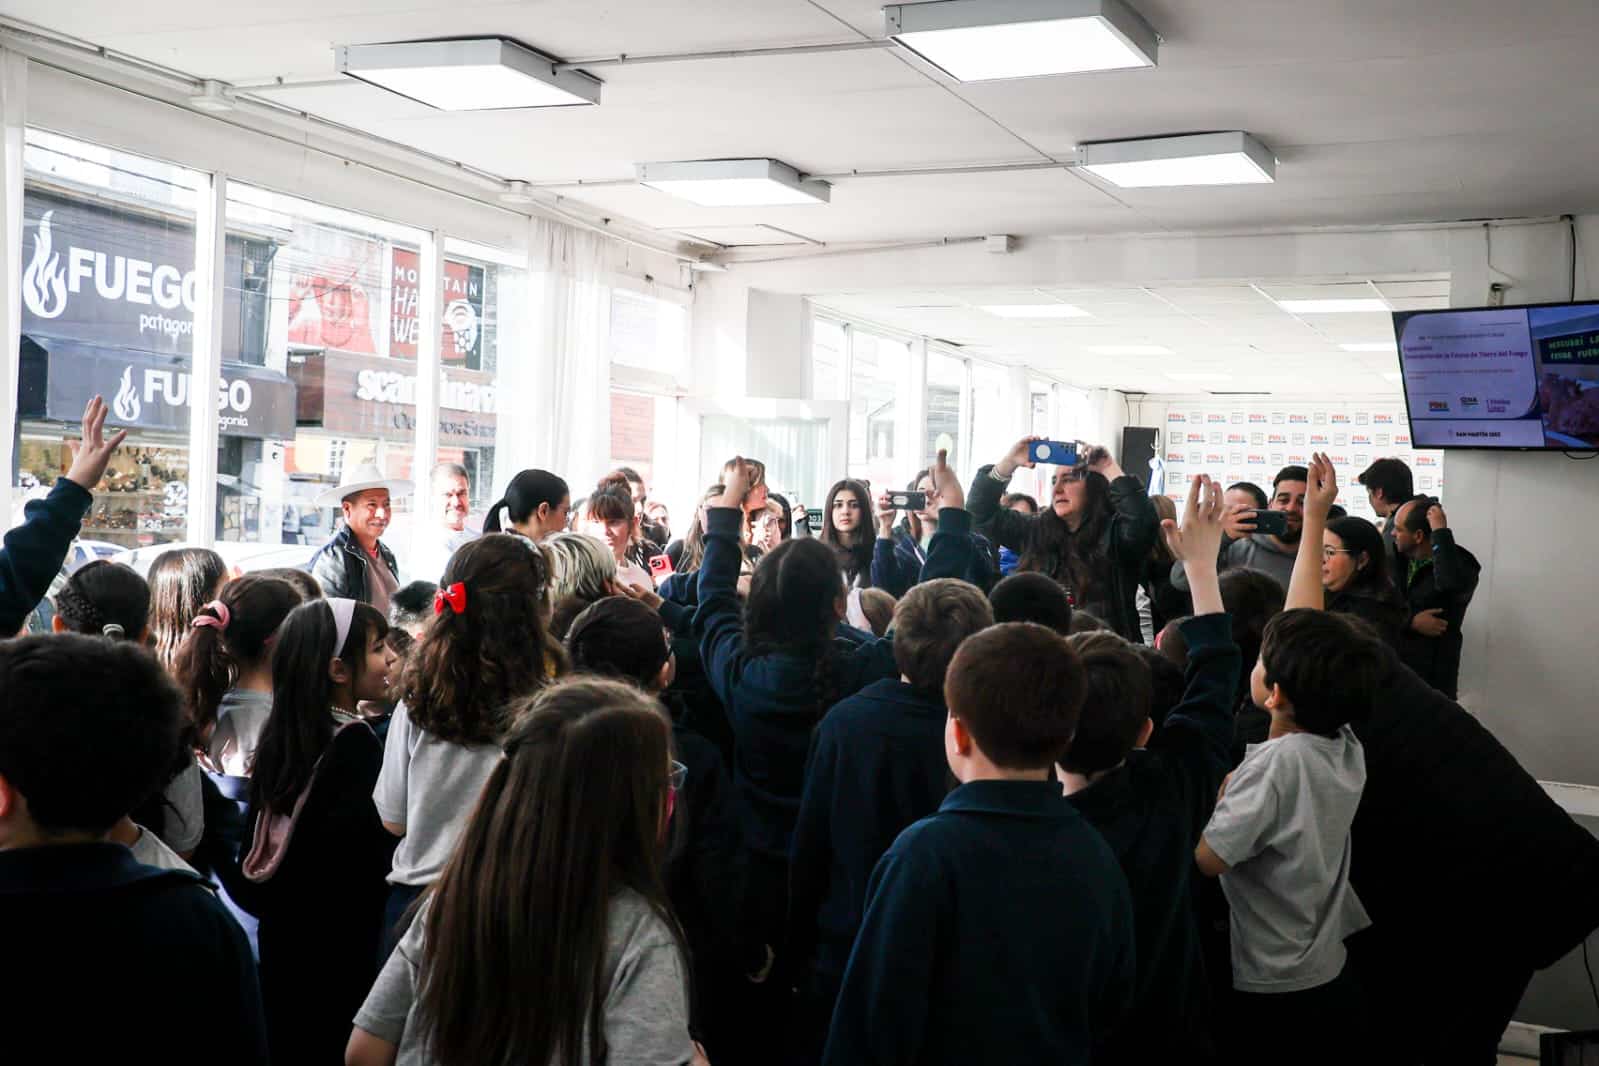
pixel 126 403
pixel 44 284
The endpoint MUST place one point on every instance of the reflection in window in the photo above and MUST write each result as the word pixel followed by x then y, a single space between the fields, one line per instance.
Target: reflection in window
pixel 828 339
pixel 877 366
pixel 108 295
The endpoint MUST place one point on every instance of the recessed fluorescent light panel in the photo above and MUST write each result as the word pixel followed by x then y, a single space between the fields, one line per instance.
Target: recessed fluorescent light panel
pixel 1036 310
pixel 986 40
pixel 1198 377
pixel 1233 158
pixel 1335 307
pixel 1129 349
pixel 479 74
pixel 1371 346
pixel 734 183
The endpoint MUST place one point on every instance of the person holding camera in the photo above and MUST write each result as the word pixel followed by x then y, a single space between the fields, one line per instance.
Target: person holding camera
pixel 1093 538
pixel 1262 538
pixel 901 551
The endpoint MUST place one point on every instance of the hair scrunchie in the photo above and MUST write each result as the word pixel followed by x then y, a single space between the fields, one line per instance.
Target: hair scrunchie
pixel 221 619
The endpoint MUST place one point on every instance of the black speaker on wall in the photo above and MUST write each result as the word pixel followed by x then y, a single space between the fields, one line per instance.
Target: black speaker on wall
pixel 1140 444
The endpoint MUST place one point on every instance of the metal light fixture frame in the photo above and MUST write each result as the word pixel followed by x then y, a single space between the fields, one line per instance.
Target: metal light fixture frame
pixel 352 59
pixel 1118 17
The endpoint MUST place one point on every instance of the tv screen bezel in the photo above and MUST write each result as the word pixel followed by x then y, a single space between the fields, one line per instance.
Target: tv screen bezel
pixel 1404 379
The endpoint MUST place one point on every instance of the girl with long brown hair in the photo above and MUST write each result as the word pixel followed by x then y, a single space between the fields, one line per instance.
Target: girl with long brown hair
pixel 487 646
pixel 181 582
pixel 547 939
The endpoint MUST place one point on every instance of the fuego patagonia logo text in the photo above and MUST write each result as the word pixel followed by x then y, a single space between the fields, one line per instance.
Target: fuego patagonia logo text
pixel 47 284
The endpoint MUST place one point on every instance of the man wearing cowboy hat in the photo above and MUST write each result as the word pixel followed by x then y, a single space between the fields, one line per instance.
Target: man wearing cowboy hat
pixel 355 564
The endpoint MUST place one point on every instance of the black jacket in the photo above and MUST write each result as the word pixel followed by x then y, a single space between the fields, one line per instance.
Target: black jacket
pixel 897 563
pixel 1128 538
pixel 1384 612
pixel 1151 811
pixel 35 550
pixel 100 949
pixel 339 566
pixel 1446 581
pixel 1454 838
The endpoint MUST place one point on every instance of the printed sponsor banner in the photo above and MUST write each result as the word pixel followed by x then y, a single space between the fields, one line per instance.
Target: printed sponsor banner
pixel 461 343
pixel 335 287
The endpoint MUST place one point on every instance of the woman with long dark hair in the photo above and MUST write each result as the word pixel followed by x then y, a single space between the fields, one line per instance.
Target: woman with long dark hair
pixel 1159 601
pixel 535 505
pixel 777 668
pixel 1094 538
pixel 487 646
pixel 224 668
pixel 1354 573
pixel 547 939
pixel 181 582
pixel 314 875
pixel 847 521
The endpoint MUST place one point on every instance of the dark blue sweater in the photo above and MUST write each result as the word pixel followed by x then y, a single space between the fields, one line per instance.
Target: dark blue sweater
pixel 897 563
pixel 876 767
pixel 1151 811
pixel 771 698
pixel 998 930
pixel 35 550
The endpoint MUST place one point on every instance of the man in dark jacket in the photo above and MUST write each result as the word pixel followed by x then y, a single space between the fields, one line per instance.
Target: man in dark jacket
pixel 34 551
pixel 1129 533
pixel 355 564
pixel 1437 577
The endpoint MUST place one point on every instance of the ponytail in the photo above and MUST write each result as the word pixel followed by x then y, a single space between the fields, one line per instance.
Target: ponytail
pixel 491 522
pixel 227 635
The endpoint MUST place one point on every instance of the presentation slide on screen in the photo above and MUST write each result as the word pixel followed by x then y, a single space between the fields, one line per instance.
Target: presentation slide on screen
pixel 1506 378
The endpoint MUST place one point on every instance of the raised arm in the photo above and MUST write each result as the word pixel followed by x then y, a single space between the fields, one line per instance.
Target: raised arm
pixel 1135 534
pixel 717 619
pixel 34 551
pixel 1004 527
pixel 1304 587
pixel 1452 569
pixel 952 551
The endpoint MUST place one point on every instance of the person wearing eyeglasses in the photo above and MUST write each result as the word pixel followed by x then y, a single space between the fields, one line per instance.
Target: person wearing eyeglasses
pixel 1354 573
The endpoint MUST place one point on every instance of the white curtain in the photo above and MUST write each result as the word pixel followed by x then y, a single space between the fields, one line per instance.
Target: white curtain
pixel 557 410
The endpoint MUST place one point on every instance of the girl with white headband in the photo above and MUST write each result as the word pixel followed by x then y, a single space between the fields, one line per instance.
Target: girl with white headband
pixel 314 876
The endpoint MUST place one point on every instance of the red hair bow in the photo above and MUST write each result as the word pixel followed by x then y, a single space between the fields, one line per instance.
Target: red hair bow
pixel 452 595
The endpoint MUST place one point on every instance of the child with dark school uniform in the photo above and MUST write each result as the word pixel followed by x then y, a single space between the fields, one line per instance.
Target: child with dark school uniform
pixel 777 664
pixel 876 766
pixel 999 929
pixel 1149 794
pixel 98 947
pixel 1280 835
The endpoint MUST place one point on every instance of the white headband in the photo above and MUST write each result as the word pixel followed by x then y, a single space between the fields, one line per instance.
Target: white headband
pixel 343 612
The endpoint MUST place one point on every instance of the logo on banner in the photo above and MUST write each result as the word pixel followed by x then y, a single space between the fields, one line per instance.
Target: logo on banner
pixel 1238 418
pixel 1235 438
pixel 1426 460
pixel 1214 457
pixel 1196 457
pixel 1298 440
pixel 1296 458
pixel 1426 483
pixel 1276 458
pixel 1235 457
pixel 126 402
pixel 1257 419
pixel 1317 438
pixel 1382 420
pixel 1402 439
pixel 1175 418
pixel 1360 438
pixel 1384 439
pixel 1469 403
pixel 1257 439
pixel 1197 417
pixel 1277 418
pixel 1196 438
pixel 1174 457
pixel 1256 460
pixel 1298 420
pixel 1215 418
pixel 1277 438
pixel 1215 437
pixel 1362 460
pixel 1321 418
pixel 1438 407
pixel 1340 439
pixel 1362 418
pixel 1340 419
pixel 47 284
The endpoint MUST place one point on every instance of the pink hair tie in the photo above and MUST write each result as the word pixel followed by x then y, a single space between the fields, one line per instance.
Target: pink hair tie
pixel 221 619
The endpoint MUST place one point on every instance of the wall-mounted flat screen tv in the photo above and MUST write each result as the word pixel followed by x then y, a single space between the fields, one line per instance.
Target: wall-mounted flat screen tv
pixel 1502 377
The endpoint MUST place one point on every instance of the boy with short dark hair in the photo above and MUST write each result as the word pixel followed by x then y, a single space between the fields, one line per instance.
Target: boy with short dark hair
pixel 1032 597
pixel 998 929
pixel 1280 834
pixel 876 766
pixel 96 944
pixel 1150 802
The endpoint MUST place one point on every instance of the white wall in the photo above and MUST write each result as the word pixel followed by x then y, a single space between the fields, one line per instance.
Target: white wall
pixel 1531 518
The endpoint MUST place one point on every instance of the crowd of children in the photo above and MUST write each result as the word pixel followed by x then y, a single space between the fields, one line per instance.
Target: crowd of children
pixel 543 813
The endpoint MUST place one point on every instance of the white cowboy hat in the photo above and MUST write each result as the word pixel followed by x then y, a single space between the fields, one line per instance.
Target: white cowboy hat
pixel 367 476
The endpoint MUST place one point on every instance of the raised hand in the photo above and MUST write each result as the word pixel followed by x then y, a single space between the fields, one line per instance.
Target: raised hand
pixel 1199 537
pixel 947 491
pixel 1436 517
pixel 885 515
pixel 1238 522
pixel 94 452
pixel 735 485
pixel 1017 456
pixel 1321 490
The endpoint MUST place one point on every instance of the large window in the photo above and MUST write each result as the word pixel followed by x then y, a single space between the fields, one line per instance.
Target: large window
pixel 108 299
pixel 877 367
pixel 338 304
pixel 995 426
pixel 946 391
pixel 829 360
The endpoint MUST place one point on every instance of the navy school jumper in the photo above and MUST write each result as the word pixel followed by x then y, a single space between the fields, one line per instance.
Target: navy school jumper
pixel 999 930
pixel 1151 811
pixel 771 698
pixel 35 550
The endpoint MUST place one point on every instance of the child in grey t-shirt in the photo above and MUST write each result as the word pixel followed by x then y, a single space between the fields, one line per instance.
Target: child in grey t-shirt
pixel 1280 841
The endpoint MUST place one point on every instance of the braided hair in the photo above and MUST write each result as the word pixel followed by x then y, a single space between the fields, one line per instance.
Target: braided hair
pixel 105 599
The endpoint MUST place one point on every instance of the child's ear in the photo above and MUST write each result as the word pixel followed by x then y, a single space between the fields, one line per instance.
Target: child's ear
pixel 1145 732
pixel 667 675
pixel 963 738
pixel 57 625
pixel 1276 700
pixel 338 673
pixel 8 798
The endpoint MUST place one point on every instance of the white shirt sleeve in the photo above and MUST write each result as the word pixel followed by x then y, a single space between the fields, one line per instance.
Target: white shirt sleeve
pixel 394 779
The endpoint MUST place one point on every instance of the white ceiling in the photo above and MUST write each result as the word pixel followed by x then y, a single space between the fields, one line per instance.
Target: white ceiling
pixel 1223 337
pixel 1379 111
